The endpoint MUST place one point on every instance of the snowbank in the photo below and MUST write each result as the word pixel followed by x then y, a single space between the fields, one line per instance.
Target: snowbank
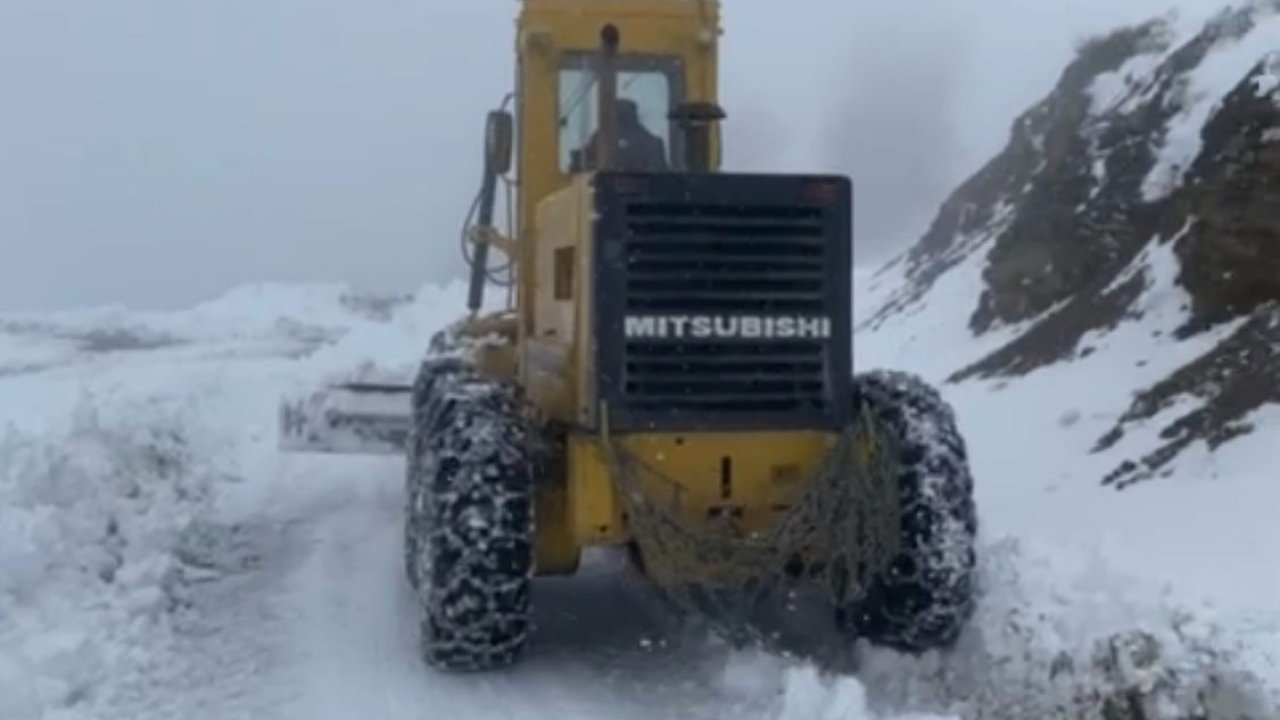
pixel 396 346
pixel 1060 634
pixel 1063 633
pixel 306 313
pixel 125 437
pixel 21 354
pixel 89 532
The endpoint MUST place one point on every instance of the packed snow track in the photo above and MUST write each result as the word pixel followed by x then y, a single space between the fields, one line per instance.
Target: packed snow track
pixel 335 623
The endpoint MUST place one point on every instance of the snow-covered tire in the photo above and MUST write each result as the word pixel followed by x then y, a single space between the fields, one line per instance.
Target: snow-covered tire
pixel 469 525
pixel 926 594
pixel 424 387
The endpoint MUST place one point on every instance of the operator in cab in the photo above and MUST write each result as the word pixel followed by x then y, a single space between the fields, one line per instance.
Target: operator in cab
pixel 638 149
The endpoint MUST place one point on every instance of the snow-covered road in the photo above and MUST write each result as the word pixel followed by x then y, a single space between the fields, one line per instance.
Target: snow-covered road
pixel 349 638
pixel 160 560
pixel 312 619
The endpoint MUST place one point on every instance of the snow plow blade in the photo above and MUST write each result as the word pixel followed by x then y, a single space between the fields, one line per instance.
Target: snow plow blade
pixel 356 417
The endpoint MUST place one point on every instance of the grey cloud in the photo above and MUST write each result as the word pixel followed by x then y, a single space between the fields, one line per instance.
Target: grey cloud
pixel 156 153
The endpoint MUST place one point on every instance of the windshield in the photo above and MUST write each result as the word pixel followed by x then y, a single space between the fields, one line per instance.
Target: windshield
pixel 648 88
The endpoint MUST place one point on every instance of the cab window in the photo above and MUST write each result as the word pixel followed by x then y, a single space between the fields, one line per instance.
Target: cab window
pixel 648 88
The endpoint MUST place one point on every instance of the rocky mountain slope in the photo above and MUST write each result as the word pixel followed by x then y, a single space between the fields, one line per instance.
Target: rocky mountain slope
pixel 1135 215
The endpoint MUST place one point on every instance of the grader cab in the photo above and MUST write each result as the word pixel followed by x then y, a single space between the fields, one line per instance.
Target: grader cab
pixel 672 373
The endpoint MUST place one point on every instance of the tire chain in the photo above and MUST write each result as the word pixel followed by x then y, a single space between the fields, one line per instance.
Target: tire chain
pixel 836 538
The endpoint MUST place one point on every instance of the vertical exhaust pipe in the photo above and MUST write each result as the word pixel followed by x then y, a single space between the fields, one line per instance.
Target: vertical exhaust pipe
pixel 607 97
pixel 480 259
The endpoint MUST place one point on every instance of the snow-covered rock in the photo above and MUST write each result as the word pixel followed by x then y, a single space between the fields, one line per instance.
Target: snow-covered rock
pixel 1138 198
pixel 1101 303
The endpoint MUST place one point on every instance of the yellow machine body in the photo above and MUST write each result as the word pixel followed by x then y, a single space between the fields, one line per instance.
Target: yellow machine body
pixel 743 478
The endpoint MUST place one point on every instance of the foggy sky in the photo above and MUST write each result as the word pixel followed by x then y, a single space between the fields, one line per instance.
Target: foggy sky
pixel 156 153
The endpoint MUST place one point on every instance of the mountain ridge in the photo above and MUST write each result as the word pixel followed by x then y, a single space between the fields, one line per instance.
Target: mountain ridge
pixel 1142 191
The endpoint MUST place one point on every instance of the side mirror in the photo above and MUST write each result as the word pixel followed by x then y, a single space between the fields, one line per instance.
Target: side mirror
pixel 498 134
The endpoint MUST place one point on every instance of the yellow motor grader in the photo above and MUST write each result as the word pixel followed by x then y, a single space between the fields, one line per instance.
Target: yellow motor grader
pixel 672 372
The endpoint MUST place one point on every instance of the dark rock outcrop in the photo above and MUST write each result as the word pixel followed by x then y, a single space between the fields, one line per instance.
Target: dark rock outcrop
pixel 1239 376
pixel 1231 262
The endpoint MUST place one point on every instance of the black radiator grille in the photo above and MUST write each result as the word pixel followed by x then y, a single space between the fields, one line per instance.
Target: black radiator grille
pixel 728 261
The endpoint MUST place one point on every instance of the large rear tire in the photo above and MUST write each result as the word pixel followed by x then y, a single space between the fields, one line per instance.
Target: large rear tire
pixel 469 525
pixel 424 388
pixel 924 597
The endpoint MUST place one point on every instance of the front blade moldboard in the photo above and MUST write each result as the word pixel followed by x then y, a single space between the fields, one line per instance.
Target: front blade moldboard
pixel 722 301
